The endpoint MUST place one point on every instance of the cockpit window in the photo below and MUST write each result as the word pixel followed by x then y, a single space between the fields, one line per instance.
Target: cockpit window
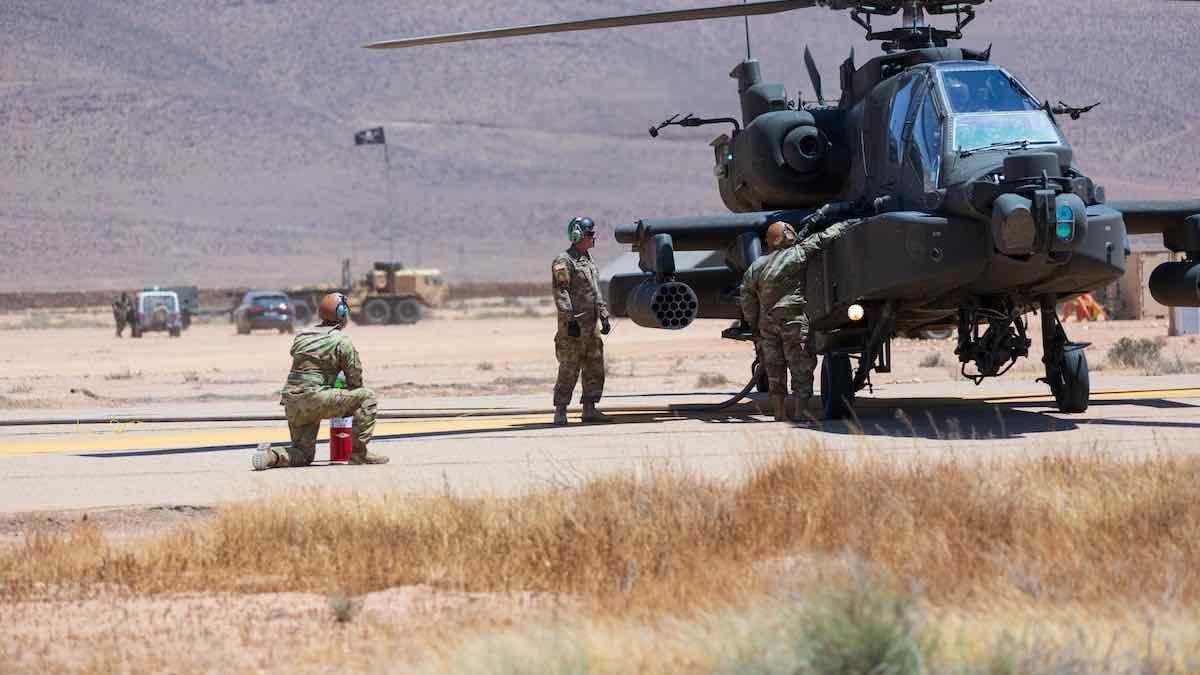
pixel 976 132
pixel 984 90
pixel 898 117
pixel 927 137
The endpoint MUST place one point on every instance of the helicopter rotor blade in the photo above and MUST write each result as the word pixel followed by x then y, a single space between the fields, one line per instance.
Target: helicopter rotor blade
pixel 719 12
pixel 813 74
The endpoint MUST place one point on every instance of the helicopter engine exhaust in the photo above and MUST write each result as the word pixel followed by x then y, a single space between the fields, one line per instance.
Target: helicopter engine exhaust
pixel 671 305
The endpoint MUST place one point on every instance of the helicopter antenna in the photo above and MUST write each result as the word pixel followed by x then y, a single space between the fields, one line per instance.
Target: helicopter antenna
pixel 747 19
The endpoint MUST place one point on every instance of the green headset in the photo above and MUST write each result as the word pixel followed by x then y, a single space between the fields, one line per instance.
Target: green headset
pixel 343 307
pixel 577 227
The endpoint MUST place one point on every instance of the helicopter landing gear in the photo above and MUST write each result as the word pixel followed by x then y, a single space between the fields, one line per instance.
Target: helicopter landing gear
pixel 840 381
pixel 837 386
pixel 1066 364
pixel 998 348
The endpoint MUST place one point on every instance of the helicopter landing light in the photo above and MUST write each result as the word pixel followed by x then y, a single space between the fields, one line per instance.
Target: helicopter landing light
pixel 855 312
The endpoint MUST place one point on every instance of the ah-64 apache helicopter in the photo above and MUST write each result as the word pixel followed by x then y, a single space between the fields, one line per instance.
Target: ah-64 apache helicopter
pixel 973 212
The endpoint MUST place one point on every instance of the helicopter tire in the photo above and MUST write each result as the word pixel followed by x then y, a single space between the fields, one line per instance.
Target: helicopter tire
pixel 837 386
pixel 1071 385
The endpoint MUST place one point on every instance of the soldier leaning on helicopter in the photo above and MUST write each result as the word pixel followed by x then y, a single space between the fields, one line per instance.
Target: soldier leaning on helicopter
pixel 789 312
pixel 580 304
pixel 319 353
pixel 769 279
pixel 773 303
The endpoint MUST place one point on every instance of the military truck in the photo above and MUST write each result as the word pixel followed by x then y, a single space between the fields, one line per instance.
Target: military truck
pixel 387 294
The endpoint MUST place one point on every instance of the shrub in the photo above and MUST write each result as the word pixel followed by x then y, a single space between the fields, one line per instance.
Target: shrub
pixel 931 360
pixel 1140 353
pixel 711 380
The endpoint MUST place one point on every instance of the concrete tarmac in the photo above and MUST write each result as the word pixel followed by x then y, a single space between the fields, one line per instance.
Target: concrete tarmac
pixel 476 450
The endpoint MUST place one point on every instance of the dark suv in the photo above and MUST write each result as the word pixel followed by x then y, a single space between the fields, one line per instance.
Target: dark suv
pixel 263 309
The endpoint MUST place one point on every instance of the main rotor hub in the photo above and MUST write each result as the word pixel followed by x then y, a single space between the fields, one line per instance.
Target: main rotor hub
pixel 914 31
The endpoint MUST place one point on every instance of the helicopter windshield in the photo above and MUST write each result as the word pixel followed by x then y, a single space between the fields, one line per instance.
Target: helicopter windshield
pixel 979 131
pixel 984 90
pixel 990 110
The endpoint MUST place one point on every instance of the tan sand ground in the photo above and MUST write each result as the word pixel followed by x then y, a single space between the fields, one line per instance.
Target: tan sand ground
pixel 489 347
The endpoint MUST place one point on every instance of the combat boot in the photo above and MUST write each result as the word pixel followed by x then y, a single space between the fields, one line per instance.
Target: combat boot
pixel 801 411
pixel 779 407
pixel 365 457
pixel 266 457
pixel 590 414
pixel 560 415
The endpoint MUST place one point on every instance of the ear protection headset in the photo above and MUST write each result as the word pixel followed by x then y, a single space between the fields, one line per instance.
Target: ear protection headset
pixel 577 227
pixel 343 307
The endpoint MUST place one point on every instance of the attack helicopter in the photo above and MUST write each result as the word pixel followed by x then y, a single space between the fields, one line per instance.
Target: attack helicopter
pixel 968 208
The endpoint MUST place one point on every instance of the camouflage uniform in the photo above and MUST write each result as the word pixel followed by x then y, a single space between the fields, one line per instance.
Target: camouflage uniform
pixel 783 337
pixel 773 301
pixel 122 307
pixel 577 296
pixel 318 355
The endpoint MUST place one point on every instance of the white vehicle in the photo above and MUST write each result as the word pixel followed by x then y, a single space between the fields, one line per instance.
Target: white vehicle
pixel 157 310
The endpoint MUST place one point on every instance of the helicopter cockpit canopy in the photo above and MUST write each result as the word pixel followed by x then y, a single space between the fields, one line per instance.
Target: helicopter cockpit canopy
pixel 990 109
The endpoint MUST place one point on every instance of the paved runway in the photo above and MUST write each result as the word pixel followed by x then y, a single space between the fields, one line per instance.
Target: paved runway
pixel 473 445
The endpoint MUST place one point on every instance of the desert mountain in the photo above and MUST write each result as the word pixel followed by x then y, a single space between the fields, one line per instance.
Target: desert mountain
pixel 211 142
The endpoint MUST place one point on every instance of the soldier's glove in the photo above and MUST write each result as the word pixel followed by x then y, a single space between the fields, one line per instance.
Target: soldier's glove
pixel 605 326
pixel 573 329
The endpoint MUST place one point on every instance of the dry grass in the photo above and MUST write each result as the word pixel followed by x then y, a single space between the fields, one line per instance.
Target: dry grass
pixel 673 573
pixel 127 374
pixel 709 380
pixel 931 360
pixel 1066 529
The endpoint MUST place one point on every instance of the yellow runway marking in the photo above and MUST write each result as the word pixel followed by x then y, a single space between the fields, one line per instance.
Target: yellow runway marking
pixel 144 437
pixel 1101 395
pixel 133 437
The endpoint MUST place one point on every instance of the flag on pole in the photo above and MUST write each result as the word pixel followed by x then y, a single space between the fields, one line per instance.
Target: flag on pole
pixel 370 137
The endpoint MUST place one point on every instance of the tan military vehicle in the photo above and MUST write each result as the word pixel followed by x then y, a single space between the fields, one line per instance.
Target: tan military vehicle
pixel 387 294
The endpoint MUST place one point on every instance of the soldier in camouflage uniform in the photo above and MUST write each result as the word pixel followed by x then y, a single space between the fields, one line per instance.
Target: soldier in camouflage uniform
pixel 319 353
pixel 788 313
pixel 580 304
pixel 122 307
pixel 773 303
pixel 770 278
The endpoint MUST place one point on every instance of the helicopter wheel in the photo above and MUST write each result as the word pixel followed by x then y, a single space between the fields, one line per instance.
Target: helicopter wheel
pixel 837 386
pixel 1071 385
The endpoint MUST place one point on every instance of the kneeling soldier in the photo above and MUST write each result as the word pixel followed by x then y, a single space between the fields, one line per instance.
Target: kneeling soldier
pixel 318 355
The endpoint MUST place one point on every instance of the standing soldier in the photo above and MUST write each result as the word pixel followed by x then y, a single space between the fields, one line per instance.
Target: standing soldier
pixel 121 307
pixel 580 304
pixel 319 353
pixel 770 278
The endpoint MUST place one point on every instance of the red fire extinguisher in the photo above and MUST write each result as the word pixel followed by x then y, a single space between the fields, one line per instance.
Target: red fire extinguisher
pixel 340 432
